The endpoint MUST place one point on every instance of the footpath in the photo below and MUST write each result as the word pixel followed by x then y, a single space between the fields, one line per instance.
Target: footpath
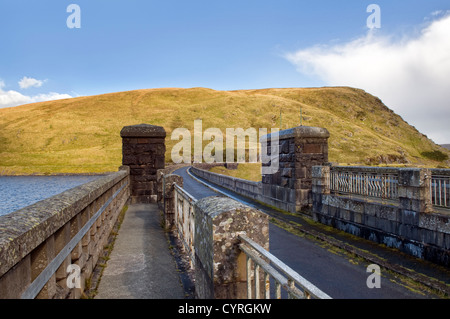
pixel 141 265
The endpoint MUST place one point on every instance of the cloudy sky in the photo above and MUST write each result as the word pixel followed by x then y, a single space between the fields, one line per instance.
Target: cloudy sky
pixel 226 45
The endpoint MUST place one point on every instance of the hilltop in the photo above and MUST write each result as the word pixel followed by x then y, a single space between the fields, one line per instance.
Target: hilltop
pixel 81 135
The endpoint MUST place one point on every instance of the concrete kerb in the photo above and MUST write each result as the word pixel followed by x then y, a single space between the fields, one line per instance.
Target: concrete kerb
pixel 309 230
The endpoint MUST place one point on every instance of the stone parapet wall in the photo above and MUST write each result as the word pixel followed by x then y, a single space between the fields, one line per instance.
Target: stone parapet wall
pixel 408 223
pixel 241 186
pixel 166 196
pixel 207 231
pixel 71 228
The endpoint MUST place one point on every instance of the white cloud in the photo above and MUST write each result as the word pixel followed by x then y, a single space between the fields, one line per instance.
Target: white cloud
pixel 50 97
pixel 437 12
pixel 410 75
pixel 27 82
pixel 13 98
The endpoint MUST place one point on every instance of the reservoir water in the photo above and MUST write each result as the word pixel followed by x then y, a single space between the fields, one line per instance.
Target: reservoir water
pixel 17 192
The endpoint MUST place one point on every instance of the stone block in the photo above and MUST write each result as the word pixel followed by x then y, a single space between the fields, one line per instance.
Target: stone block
pixel 284 147
pixel 443 224
pixel 386 226
pixel 281 194
pixel 303 196
pixel 409 217
pixel 312 148
pixel 370 209
pixel 370 221
pixel 413 177
pixel 286 172
pixel 356 206
pixel 142 131
pixel 13 282
pixel 428 221
pixel 388 212
pixel 446 242
pixel 219 261
pixel 345 214
pixel 427 236
pixel 357 217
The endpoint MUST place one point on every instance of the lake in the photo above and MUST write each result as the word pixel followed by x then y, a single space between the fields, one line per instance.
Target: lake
pixel 17 192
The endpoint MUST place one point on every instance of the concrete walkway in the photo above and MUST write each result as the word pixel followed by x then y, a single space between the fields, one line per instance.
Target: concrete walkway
pixel 141 265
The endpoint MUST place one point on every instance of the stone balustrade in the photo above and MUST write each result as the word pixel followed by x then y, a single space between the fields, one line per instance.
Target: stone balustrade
pixel 38 243
pixel 407 221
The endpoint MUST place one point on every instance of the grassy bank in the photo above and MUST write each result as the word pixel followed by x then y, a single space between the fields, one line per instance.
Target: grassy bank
pixel 82 135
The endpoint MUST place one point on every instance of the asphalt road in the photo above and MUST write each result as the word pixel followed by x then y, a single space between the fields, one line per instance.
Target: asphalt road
pixel 331 270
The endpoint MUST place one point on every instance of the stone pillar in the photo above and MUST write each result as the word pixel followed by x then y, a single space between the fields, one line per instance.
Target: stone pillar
pixel 168 200
pixel 300 149
pixel 320 187
pixel 414 194
pixel 220 271
pixel 143 150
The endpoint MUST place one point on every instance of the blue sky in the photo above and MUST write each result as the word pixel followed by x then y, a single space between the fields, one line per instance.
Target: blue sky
pixel 223 45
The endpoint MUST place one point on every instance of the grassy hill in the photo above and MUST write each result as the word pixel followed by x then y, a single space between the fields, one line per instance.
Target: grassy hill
pixel 81 135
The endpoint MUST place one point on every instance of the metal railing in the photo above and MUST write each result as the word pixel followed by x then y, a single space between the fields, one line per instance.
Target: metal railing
pixel 184 221
pixel 383 183
pixel 376 183
pixel 284 277
pixel 440 191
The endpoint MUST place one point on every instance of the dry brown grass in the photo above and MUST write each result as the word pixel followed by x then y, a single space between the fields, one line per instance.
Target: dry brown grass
pixel 81 135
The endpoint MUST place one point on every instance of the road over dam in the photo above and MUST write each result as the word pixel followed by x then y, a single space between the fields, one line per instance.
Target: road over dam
pixel 335 271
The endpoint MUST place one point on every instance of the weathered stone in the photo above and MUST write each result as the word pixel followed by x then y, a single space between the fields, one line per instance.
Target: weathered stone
pixel 37 233
pixel 300 149
pixel 218 222
pixel 143 130
pixel 143 151
pixel 407 224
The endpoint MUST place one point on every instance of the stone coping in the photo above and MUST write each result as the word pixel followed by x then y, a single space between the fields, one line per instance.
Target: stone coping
pixel 143 130
pixel 216 205
pixel 299 131
pixel 395 170
pixel 440 171
pixel 25 229
pixel 366 169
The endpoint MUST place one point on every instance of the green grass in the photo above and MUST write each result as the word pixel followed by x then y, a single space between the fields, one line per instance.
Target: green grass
pixel 248 171
pixel 82 135
pixel 435 155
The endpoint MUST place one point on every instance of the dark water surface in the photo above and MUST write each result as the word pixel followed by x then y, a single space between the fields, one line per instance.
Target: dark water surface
pixel 17 192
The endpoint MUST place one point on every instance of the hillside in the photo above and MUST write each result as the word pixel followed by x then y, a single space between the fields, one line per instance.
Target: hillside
pixel 81 135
